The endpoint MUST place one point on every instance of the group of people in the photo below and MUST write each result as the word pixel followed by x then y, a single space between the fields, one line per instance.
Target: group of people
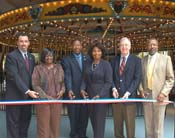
pixel 90 76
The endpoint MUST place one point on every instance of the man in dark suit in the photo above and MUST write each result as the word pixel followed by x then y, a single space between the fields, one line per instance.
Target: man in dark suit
pixel 73 67
pixel 126 79
pixel 19 67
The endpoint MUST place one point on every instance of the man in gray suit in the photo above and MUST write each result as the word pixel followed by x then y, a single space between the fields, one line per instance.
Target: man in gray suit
pixel 73 66
pixel 157 81
pixel 19 67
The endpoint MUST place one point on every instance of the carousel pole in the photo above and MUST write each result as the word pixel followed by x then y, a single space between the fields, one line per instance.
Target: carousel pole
pixel 41 42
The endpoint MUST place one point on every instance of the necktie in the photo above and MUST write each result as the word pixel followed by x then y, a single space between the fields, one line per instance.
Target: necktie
pixel 122 66
pixel 149 72
pixel 79 61
pixel 26 61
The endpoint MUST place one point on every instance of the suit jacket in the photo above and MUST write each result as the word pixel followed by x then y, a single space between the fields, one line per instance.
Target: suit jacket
pixel 40 81
pixel 163 76
pixel 18 79
pixel 99 81
pixel 73 73
pixel 131 77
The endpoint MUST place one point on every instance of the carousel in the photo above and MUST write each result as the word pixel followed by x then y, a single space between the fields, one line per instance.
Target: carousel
pixel 55 24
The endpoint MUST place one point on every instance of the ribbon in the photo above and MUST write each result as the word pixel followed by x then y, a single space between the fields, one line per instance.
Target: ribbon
pixel 83 101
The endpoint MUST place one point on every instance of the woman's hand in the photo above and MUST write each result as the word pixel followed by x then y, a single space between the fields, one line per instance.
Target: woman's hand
pixel 96 97
pixel 60 94
pixel 84 94
pixel 71 95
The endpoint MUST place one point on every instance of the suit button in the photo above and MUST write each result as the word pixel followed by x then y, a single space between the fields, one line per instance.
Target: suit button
pixel 121 80
pixel 119 88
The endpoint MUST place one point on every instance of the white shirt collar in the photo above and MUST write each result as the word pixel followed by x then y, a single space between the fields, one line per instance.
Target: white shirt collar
pixel 23 53
pixel 126 57
pixel 121 58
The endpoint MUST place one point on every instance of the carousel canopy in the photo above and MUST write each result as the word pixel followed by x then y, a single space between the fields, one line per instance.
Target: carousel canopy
pixel 55 24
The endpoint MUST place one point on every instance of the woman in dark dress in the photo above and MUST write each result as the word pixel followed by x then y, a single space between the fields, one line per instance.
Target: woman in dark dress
pixel 97 81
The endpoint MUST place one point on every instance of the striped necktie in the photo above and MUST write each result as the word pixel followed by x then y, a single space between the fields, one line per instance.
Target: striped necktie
pixel 122 66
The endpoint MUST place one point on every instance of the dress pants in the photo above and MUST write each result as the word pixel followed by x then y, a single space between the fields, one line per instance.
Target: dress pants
pixel 18 120
pixel 48 120
pixel 124 112
pixel 97 114
pixel 154 114
pixel 78 117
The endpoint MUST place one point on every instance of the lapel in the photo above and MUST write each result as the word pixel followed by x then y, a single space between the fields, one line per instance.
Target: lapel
pixel 157 64
pixel 145 64
pixel 30 62
pixel 117 66
pixel 84 58
pixel 20 57
pixel 75 61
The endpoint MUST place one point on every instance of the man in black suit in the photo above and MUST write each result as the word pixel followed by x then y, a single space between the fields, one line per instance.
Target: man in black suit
pixel 19 66
pixel 126 79
pixel 73 66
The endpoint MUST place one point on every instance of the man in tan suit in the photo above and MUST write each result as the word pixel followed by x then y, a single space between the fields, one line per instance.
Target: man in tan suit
pixel 157 81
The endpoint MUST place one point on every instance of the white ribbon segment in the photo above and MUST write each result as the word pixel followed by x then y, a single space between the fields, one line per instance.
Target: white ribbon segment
pixel 82 101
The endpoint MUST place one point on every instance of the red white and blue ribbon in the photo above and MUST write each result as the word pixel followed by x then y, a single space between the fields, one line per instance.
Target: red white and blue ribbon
pixel 83 101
